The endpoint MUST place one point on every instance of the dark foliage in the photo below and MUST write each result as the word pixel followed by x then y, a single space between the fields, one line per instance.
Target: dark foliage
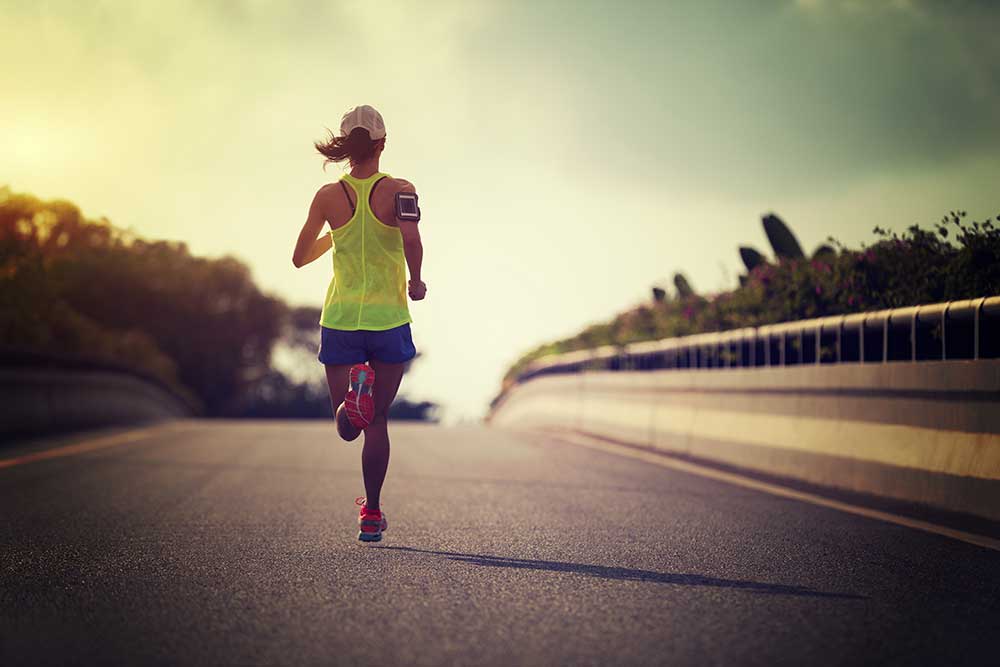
pixel 955 260
pixel 80 287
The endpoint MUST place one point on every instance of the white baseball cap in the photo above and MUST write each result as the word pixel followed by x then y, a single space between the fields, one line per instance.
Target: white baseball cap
pixel 366 117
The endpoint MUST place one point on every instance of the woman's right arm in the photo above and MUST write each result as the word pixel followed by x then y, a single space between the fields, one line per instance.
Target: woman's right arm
pixel 310 245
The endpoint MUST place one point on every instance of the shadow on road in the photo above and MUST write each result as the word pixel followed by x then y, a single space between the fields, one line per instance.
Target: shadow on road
pixel 628 574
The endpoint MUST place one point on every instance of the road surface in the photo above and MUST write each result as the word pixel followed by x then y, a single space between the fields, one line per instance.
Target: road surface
pixel 235 543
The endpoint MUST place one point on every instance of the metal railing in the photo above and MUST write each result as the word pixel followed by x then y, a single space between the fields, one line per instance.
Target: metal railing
pixel 967 329
pixel 23 358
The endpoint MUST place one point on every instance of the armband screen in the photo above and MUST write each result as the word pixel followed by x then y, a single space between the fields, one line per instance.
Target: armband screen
pixel 406 206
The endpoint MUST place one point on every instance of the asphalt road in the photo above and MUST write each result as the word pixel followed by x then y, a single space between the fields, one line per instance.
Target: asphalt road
pixel 235 543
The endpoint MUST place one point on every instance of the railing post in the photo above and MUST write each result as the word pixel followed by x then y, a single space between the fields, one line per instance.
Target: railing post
pixel 976 319
pixel 944 331
pixel 819 343
pixel 885 336
pixel 840 335
pixel 861 340
pixel 913 334
pixel 781 351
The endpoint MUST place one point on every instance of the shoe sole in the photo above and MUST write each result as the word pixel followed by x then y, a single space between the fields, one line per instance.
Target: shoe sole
pixel 359 403
pixel 371 535
pixel 346 437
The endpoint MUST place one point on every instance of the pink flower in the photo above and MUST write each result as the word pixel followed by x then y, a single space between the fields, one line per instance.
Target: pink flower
pixel 819 290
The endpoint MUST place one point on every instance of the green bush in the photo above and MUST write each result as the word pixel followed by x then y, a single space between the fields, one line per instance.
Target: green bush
pixel 955 260
pixel 83 288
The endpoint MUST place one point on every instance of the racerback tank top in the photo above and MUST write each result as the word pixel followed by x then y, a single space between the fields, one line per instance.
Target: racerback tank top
pixel 368 289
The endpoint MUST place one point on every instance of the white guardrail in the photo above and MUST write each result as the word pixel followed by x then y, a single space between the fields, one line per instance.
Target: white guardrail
pixel 903 404
pixel 967 329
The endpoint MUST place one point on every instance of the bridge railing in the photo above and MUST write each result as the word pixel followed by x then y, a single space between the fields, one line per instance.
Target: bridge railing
pixel 968 329
pixel 44 393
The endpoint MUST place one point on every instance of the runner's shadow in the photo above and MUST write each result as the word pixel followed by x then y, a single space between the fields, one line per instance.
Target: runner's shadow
pixel 628 574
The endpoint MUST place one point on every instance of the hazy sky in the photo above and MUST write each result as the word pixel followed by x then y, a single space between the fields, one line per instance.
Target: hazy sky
pixel 568 154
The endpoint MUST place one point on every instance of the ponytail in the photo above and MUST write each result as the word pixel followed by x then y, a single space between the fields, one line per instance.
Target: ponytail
pixel 356 147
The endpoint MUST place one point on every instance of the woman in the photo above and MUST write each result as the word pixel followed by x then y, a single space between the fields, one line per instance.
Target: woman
pixel 366 321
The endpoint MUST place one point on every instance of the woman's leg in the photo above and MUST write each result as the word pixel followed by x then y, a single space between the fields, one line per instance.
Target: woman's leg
pixel 375 454
pixel 338 380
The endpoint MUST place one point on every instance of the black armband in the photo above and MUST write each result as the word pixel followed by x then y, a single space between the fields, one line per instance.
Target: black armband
pixel 406 206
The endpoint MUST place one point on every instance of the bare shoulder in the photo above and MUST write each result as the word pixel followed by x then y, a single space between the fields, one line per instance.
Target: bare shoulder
pixel 385 195
pixel 401 185
pixel 322 196
pixel 330 203
pixel 327 189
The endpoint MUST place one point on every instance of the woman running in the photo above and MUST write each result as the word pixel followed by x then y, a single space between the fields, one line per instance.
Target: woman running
pixel 365 342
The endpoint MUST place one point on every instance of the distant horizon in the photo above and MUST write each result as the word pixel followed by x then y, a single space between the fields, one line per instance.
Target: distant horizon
pixel 565 163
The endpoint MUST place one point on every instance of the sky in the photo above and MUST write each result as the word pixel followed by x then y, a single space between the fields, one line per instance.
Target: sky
pixel 568 155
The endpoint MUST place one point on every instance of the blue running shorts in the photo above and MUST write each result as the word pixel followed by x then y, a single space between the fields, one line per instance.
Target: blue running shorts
pixel 392 346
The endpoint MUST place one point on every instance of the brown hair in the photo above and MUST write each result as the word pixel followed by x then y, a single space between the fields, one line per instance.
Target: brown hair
pixel 357 146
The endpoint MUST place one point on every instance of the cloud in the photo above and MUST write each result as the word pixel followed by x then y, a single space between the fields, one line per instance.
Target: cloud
pixel 930 72
pixel 762 98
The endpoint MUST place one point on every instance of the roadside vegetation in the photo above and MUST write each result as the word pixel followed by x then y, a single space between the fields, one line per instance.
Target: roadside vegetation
pixel 955 259
pixel 72 288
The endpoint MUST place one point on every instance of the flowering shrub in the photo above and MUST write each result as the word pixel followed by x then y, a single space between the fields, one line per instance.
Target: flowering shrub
pixel 955 260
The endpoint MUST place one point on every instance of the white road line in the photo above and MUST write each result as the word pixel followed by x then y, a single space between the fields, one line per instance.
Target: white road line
pixel 774 489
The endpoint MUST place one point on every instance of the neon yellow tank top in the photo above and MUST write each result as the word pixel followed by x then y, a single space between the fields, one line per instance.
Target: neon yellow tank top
pixel 368 290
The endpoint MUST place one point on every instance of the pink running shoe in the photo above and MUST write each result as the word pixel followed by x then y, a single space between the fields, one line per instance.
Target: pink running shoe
pixel 358 402
pixel 370 522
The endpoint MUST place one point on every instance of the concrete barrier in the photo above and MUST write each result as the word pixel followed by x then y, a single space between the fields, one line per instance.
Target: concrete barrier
pixel 925 432
pixel 36 401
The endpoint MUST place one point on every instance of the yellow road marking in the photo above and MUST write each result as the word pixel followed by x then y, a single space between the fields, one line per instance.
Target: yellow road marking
pixel 773 489
pixel 89 445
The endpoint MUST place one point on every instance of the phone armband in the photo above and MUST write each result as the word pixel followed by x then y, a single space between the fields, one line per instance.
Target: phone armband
pixel 406 206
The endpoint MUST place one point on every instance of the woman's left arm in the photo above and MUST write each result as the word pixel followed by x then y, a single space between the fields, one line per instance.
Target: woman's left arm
pixel 310 245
